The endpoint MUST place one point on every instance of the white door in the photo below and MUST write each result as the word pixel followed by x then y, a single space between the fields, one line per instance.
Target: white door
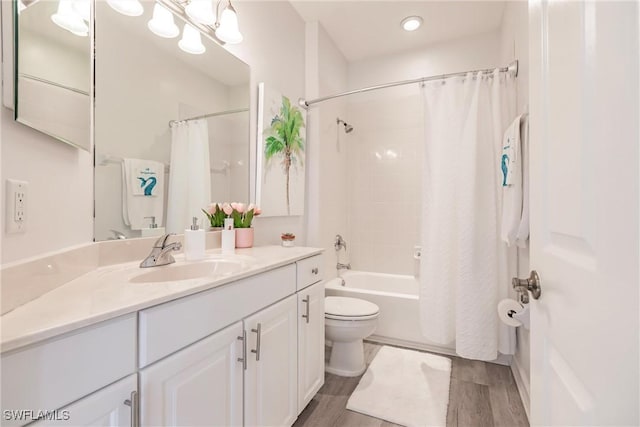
pixel 200 385
pixel 310 343
pixel 584 212
pixel 271 397
pixel 112 406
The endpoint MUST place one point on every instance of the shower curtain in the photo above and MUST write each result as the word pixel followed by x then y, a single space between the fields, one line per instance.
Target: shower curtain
pixel 463 271
pixel 189 174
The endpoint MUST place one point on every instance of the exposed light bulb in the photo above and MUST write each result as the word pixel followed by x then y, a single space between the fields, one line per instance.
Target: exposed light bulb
pixel 162 23
pixel 83 8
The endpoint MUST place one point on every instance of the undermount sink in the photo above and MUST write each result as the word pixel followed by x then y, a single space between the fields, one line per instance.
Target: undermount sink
pixel 195 270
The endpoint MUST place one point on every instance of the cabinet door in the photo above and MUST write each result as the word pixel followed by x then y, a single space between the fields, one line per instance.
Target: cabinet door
pixel 310 343
pixel 200 385
pixel 271 397
pixel 105 408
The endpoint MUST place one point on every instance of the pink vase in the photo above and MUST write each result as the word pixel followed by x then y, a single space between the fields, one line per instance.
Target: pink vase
pixel 244 237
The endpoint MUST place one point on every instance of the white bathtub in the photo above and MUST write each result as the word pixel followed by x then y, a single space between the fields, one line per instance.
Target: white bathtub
pixel 397 297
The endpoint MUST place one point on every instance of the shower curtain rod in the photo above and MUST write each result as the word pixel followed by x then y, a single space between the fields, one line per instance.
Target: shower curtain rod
pixel 204 116
pixel 511 68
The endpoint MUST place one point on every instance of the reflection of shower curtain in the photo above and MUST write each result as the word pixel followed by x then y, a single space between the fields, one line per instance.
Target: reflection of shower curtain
pixel 189 176
pixel 464 263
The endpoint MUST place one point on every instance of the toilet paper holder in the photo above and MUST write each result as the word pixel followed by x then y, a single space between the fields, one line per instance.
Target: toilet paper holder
pixel 531 284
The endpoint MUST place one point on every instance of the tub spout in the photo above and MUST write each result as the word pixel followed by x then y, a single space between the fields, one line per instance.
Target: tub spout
pixel 341 266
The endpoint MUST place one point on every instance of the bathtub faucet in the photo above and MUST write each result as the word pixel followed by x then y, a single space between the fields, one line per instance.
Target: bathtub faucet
pixel 340 266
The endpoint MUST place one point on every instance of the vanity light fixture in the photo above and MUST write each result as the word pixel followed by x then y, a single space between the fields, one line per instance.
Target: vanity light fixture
pixel 191 41
pixel 411 23
pixel 227 28
pixel 67 18
pixel 83 8
pixel 126 7
pixel 201 11
pixel 162 23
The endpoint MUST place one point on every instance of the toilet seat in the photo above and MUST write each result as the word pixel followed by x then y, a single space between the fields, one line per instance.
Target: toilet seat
pixel 346 308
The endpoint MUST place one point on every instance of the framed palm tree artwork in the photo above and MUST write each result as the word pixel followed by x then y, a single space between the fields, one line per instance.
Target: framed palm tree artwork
pixel 281 154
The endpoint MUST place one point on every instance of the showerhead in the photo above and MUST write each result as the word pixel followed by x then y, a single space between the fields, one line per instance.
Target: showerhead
pixel 347 127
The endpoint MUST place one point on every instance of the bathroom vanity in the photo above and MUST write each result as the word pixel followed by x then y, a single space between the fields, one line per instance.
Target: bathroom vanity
pixel 238 341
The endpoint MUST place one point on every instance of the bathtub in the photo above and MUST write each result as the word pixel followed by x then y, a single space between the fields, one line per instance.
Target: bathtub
pixel 397 297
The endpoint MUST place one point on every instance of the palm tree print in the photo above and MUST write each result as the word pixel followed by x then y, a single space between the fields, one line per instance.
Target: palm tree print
pixel 285 140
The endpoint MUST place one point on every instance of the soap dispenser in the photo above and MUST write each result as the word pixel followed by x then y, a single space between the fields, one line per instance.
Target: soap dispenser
pixel 194 242
pixel 228 236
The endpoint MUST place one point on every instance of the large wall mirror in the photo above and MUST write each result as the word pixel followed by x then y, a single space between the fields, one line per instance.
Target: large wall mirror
pixel 171 124
pixel 53 68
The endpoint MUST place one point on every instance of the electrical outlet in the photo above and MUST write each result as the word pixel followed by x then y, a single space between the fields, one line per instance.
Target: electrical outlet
pixel 16 198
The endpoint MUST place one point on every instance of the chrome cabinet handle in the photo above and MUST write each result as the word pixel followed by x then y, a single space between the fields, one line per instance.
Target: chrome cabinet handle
pixel 243 359
pixel 135 408
pixel 258 331
pixel 314 270
pixel 531 284
pixel 306 301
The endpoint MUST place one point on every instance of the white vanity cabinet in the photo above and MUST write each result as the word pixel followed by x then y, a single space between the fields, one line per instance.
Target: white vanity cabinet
pixel 199 385
pixel 271 375
pixel 112 406
pixel 310 342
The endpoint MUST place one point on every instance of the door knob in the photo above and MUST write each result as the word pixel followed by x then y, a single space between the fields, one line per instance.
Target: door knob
pixel 531 284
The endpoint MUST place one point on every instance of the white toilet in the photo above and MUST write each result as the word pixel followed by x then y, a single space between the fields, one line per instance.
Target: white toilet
pixel 347 322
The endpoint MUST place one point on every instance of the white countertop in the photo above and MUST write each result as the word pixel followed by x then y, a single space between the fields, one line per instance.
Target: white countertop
pixel 107 292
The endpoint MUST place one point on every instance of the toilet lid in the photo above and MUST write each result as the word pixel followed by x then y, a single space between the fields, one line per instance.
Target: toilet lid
pixel 345 307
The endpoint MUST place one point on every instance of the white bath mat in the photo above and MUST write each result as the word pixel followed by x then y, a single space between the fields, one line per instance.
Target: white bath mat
pixel 404 387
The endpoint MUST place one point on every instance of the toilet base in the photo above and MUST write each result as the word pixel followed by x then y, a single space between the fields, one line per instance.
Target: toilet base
pixel 347 359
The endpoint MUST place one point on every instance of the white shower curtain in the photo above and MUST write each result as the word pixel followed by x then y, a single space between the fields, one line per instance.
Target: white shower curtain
pixel 189 174
pixel 463 270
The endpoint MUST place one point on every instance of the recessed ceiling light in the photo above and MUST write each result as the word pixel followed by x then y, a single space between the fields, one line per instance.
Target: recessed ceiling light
pixel 411 23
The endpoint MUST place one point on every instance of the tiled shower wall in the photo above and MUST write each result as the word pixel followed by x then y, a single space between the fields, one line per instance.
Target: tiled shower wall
pixel 384 179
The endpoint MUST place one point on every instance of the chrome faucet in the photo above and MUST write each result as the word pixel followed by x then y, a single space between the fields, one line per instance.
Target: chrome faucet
pixel 340 266
pixel 161 253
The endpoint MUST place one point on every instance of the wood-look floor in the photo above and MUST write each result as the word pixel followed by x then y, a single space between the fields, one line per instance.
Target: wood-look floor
pixel 480 394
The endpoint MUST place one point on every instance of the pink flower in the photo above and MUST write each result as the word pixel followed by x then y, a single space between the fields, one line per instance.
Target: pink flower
pixel 226 208
pixel 212 208
pixel 257 211
pixel 240 207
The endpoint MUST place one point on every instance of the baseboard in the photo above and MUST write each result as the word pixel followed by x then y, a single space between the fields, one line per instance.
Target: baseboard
pixel 502 359
pixel 522 383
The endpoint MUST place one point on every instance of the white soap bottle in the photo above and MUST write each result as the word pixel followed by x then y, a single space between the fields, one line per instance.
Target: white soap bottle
pixel 228 236
pixel 194 242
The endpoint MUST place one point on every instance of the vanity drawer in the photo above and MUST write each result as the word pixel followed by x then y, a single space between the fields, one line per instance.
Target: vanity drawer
pixel 52 374
pixel 309 271
pixel 169 327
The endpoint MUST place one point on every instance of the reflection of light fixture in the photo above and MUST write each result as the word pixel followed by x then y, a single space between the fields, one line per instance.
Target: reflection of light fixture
pixel 82 8
pixel 411 23
pixel 201 11
pixel 65 17
pixel 227 27
pixel 191 41
pixel 162 23
pixel 126 7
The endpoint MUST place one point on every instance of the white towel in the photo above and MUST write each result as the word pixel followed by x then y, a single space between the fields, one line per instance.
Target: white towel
pixel 523 229
pixel 512 183
pixel 510 152
pixel 142 192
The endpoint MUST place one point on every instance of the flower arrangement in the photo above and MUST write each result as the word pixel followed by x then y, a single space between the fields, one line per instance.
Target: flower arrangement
pixel 242 214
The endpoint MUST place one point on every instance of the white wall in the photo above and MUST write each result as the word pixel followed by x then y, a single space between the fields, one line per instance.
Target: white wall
pixel 385 149
pixel 328 162
pixel 274 47
pixel 61 177
pixel 515 45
